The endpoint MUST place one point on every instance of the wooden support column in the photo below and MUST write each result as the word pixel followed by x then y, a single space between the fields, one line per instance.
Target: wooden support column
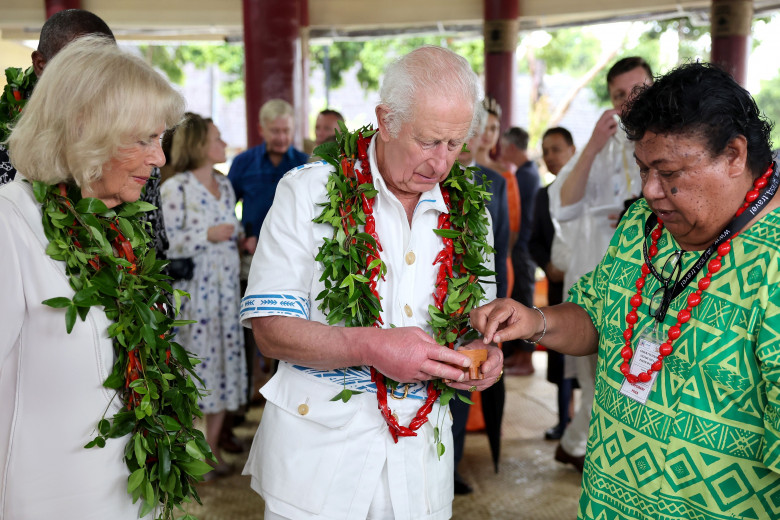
pixel 55 6
pixel 731 22
pixel 272 54
pixel 500 33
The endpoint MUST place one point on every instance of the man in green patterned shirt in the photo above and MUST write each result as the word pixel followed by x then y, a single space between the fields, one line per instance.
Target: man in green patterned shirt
pixel 683 312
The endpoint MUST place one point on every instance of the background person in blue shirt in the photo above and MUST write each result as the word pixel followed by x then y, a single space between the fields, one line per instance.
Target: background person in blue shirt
pixel 255 172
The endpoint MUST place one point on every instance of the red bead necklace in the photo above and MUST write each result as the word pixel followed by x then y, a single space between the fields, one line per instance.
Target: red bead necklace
pixel 694 299
pixel 364 175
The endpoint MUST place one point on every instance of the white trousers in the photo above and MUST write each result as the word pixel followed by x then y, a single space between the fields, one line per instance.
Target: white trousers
pixel 575 437
pixel 381 505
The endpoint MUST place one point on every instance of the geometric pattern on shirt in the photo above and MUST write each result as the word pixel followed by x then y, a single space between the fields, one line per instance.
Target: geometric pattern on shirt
pixel 697 448
pixel 359 379
pixel 258 305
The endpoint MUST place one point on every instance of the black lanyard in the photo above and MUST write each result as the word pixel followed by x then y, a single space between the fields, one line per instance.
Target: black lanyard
pixel 733 227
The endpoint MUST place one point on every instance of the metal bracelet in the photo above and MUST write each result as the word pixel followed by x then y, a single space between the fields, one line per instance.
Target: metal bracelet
pixel 544 329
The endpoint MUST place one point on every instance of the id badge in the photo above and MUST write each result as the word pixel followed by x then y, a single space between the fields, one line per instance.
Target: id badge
pixel 645 354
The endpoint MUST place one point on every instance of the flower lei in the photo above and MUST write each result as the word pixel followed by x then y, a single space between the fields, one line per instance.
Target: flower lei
pixel 110 265
pixel 17 90
pixel 353 265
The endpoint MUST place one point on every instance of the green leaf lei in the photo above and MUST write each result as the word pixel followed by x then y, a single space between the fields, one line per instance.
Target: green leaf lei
pixel 352 263
pixel 110 265
pixel 19 86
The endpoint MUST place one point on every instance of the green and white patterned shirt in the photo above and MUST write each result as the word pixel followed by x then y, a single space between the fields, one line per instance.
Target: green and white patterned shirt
pixel 707 443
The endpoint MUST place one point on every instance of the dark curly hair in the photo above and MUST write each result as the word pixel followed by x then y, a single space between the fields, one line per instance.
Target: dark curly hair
pixel 63 26
pixel 700 99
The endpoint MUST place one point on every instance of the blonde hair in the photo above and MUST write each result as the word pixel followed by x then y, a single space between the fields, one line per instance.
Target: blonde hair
pixel 275 108
pixel 187 145
pixel 93 100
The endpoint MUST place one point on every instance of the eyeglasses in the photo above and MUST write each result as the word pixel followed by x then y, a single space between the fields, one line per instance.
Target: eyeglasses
pixel 669 275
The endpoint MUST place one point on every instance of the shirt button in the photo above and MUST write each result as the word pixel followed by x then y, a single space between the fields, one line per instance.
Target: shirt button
pixel 303 409
pixel 410 257
pixel 408 310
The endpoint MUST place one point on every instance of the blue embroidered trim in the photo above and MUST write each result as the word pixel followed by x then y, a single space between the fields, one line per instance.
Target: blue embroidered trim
pixel 359 378
pixel 424 200
pixel 258 305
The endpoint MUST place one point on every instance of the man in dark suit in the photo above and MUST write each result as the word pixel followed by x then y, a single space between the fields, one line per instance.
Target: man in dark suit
pixel 498 207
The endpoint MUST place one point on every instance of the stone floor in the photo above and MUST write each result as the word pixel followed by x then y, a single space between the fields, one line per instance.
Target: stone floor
pixel 530 484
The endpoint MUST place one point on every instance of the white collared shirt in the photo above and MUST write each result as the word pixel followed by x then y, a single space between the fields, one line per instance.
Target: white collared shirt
pixel 285 279
pixel 583 229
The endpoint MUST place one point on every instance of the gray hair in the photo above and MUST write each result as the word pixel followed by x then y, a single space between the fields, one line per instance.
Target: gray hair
pixel 427 69
pixel 480 119
pixel 273 109
pixel 93 100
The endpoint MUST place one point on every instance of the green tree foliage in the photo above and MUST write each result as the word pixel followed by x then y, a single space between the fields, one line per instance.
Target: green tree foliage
pixel 693 43
pixel 228 57
pixel 372 57
pixel 768 100
pixel 571 51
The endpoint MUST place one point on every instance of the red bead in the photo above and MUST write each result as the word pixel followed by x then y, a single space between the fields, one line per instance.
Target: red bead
pixel 645 269
pixel 653 251
pixel 631 378
pixel 625 368
pixel 674 333
pixel 724 249
pixel 657 366
pixel 665 349
pixel 636 301
pixel 632 317
pixel 626 353
pixel 714 265
pixel 683 316
pixel 760 183
pixel 656 234
pixel 644 377
pixel 660 224
pixel 751 195
pixel 640 283
pixel 694 300
pixel 740 211
pixel 628 334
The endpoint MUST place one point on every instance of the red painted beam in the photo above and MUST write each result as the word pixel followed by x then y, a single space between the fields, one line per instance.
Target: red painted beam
pixel 55 6
pixel 731 24
pixel 272 49
pixel 500 33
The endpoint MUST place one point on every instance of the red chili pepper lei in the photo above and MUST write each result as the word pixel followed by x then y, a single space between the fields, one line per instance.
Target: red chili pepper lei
pixel 364 176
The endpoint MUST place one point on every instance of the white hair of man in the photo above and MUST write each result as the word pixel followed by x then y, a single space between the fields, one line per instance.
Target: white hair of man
pixel 429 69
pixel 480 119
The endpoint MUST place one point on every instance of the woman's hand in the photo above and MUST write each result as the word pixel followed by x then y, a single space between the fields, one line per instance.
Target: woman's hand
pixel 504 319
pixel 220 232
pixel 248 245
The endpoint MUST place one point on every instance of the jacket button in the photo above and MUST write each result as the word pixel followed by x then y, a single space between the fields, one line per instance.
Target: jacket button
pixel 303 409
pixel 408 310
pixel 410 257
